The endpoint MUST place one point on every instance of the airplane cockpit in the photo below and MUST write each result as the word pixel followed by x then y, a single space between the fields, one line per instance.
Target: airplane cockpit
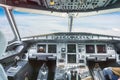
pixel 62 54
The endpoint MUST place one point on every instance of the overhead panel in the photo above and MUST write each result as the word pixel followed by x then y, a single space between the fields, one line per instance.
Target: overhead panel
pixel 80 4
pixel 60 5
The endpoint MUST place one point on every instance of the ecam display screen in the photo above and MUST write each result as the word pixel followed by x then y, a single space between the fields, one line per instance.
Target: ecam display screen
pixel 71 48
pixel 90 49
pixel 71 58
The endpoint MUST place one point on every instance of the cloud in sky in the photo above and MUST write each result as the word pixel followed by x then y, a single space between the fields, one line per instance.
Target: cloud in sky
pixel 116 29
pixel 102 24
pixel 37 24
pixel 5 28
pixel 30 24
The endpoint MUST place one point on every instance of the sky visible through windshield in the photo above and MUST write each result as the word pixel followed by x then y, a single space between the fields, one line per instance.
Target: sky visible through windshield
pixel 34 24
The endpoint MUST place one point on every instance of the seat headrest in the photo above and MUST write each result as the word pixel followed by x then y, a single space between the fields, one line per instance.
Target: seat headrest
pixel 3 43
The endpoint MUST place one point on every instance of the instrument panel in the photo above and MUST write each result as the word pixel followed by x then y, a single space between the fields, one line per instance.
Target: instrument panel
pixel 73 48
pixel 72 58
pixel 72 53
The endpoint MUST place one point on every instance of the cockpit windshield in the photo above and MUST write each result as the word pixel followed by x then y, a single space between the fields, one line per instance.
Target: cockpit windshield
pixel 5 27
pixel 37 24
pixel 34 24
pixel 29 24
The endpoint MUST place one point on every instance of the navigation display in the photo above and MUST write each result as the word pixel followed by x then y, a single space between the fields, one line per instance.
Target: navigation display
pixel 101 49
pixel 41 48
pixel 90 49
pixel 71 58
pixel 71 48
pixel 52 48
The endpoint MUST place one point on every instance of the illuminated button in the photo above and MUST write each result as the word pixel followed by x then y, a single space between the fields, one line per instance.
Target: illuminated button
pixel 52 3
pixel 63 49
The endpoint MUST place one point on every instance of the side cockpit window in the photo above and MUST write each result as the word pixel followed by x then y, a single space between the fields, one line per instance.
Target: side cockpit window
pixel 5 26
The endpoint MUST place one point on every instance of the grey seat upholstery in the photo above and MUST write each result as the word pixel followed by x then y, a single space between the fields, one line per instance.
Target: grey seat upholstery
pixel 98 74
pixel 3 75
pixel 3 44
